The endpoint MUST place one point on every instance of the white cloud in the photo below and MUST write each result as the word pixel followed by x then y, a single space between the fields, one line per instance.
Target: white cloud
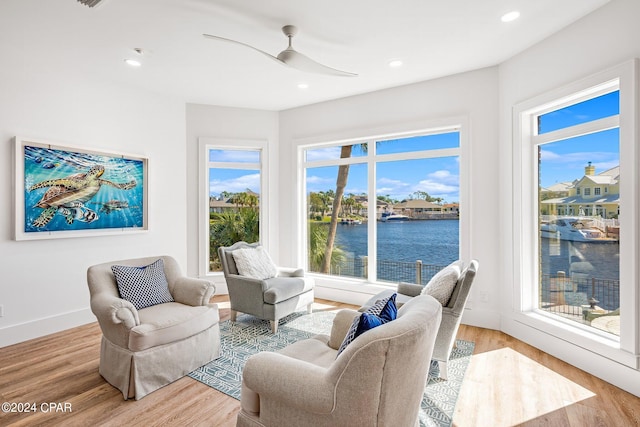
pixel 323 154
pixel 314 179
pixel 435 188
pixel 236 185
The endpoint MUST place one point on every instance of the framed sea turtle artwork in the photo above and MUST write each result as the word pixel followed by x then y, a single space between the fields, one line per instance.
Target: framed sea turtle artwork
pixel 63 191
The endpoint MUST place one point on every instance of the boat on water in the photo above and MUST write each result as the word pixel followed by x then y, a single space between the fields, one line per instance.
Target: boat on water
pixel 390 216
pixel 574 228
pixel 350 221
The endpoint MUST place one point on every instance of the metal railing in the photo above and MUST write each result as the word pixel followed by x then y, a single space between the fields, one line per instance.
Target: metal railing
pixel 561 290
pixel 387 270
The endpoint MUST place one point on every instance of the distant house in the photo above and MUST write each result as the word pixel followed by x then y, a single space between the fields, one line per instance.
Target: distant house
pixel 451 208
pixel 591 195
pixel 227 204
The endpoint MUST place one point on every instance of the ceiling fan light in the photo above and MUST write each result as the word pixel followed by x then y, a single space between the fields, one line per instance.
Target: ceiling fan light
pixel 395 63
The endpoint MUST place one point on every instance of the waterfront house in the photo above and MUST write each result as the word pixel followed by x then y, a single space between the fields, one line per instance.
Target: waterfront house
pixel 592 195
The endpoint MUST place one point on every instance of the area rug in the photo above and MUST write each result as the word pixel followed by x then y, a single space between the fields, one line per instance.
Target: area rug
pixel 248 335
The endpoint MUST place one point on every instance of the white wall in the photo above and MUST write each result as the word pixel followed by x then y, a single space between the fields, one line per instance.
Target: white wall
pixel 43 283
pixel 605 38
pixel 473 95
pixel 228 124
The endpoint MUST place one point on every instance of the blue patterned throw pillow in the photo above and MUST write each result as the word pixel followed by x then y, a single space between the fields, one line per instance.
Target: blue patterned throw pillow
pixel 383 311
pixel 143 286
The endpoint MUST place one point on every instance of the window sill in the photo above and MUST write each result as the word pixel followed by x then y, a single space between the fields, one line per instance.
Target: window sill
pixel 595 341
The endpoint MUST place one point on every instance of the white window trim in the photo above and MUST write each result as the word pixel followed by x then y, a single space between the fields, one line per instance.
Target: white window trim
pixel 355 136
pixel 626 349
pixel 204 145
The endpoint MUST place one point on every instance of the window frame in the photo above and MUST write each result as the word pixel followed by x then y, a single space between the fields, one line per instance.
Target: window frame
pixel 624 349
pixel 427 127
pixel 205 144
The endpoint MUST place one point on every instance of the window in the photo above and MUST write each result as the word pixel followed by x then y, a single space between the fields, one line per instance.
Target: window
pixel 384 209
pixel 596 191
pixel 576 271
pixel 232 182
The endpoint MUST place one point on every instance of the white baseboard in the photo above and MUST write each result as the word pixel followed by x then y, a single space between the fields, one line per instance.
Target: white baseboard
pixel 15 334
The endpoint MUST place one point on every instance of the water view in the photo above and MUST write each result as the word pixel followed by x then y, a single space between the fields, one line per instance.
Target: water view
pixel 433 242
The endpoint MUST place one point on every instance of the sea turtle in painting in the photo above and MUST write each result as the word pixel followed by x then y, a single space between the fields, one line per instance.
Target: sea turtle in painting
pixel 69 194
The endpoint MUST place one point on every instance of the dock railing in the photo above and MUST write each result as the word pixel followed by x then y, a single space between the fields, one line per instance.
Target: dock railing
pixel 388 270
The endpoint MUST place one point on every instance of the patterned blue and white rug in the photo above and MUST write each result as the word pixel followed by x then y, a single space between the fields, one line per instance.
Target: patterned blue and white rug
pixel 249 335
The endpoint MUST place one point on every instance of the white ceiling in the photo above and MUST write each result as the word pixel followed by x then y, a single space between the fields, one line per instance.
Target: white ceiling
pixel 433 38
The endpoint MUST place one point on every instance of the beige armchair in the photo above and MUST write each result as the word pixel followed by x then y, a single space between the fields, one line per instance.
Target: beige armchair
pixel 451 313
pixel 378 380
pixel 269 299
pixel 143 350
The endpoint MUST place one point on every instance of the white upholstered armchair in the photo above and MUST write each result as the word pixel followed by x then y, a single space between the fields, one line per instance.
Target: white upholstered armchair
pixel 452 311
pixel 268 298
pixel 377 380
pixel 145 349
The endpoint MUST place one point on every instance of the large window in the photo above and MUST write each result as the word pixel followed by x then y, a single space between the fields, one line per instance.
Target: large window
pixel 575 213
pixel 579 252
pixel 384 209
pixel 233 185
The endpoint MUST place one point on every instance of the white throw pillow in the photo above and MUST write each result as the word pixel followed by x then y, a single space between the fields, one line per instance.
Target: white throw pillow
pixel 255 263
pixel 442 283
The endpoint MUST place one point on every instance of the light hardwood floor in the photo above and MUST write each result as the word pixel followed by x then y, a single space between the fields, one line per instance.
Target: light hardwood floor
pixel 508 383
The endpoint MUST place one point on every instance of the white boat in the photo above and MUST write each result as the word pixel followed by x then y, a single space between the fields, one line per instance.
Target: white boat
pixel 386 216
pixel 574 228
pixel 350 221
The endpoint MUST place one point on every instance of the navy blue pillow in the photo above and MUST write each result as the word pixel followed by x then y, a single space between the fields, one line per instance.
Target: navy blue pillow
pixel 383 311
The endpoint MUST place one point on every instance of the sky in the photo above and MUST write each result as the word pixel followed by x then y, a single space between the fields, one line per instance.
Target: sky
pixel 439 177
pixel 565 160
pixel 561 161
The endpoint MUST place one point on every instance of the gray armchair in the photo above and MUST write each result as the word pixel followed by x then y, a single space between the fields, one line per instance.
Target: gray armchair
pixel 143 350
pixel 451 313
pixel 377 380
pixel 268 299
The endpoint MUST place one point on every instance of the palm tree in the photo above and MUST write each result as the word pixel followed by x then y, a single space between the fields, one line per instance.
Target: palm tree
pixel 318 234
pixel 341 183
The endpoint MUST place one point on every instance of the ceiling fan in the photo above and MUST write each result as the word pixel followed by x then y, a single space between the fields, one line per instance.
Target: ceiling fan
pixel 90 3
pixel 292 57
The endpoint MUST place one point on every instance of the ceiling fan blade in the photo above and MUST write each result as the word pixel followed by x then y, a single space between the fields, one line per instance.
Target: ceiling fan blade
pixel 245 45
pixel 297 60
pixel 90 3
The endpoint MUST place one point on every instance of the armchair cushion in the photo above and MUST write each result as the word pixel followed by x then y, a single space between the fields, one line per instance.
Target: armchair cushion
pixel 443 282
pixel 255 263
pixel 167 323
pixel 143 286
pixel 280 289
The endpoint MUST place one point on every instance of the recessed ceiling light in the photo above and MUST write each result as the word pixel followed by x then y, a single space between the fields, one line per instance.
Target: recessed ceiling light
pixel 303 86
pixel 511 16
pixel 133 62
pixel 395 63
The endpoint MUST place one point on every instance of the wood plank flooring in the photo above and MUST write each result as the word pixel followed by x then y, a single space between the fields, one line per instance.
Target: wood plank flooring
pixel 508 383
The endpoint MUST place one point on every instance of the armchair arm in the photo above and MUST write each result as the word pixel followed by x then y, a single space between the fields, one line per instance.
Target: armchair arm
pixel 238 280
pixel 297 383
pixel 191 291
pixel 341 324
pixel 112 310
pixel 409 289
pixel 290 272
